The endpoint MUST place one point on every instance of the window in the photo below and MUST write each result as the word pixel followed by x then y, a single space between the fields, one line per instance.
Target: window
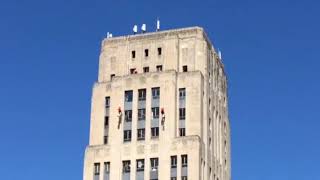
pixel 141 114
pixel 159 68
pixel 184 178
pixel 155 112
pixel 133 54
pixel 106 121
pixel 182 131
pixel 173 161
pixel 127 135
pixel 126 166
pixel 154 162
pixel 182 113
pixel 142 94
pixel 140 165
pixel 156 93
pixel 128 115
pixel 210 145
pixel 105 140
pixel 145 69
pixel 107 167
pixel 159 51
pixel 141 134
pixel 128 96
pixel 184 160
pixel 146 52
pixel 173 178
pixel 182 93
pixel 107 102
pixel 155 132
pixel 133 71
pixel 185 68
pixel 112 76
pixel 96 168
pixel 210 124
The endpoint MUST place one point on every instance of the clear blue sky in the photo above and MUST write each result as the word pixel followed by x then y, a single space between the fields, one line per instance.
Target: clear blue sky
pixel 49 60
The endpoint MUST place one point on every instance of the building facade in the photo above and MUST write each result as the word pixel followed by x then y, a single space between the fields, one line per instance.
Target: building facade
pixel 159 109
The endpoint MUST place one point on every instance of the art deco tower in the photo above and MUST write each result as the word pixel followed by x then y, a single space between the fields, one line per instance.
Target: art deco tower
pixel 159 109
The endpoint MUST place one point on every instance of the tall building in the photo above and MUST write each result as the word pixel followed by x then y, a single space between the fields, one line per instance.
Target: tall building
pixel 159 109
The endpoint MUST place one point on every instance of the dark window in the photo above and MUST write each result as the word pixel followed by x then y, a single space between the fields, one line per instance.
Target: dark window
pixel 142 94
pixel 133 54
pixel 146 52
pixel 128 115
pixel 127 135
pixel 155 112
pixel 159 68
pixel 173 178
pixel 133 71
pixel 184 68
pixel 105 139
pixel 96 168
pixel 146 69
pixel 182 113
pixel 140 165
pixel 173 161
pixel 107 167
pixel 159 51
pixel 126 166
pixel 154 162
pixel 155 93
pixel 155 132
pixel 141 114
pixel 184 160
pixel 112 76
pixel 107 102
pixel 106 121
pixel 141 134
pixel 182 93
pixel 128 96
pixel 182 131
pixel 184 178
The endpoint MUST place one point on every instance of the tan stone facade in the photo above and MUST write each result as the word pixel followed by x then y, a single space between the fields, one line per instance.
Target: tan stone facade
pixel 159 109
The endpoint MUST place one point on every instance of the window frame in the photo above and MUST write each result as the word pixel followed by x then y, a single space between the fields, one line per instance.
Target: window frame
pixel 143 165
pixel 141 136
pixel 127 135
pixel 154 132
pixel 126 166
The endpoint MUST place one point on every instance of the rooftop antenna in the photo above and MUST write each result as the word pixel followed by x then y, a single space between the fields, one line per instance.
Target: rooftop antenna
pixel 144 28
pixel 158 24
pixel 135 29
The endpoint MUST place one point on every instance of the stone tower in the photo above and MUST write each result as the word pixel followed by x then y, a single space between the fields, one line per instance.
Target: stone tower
pixel 159 109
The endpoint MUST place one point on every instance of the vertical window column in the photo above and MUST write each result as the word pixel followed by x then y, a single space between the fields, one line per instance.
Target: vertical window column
pixel 96 171
pixel 140 169
pixel 127 124
pixel 126 170
pixel 106 171
pixel 155 103
pixel 154 163
pixel 141 114
pixel 173 169
pixel 106 120
pixel 182 112
pixel 184 167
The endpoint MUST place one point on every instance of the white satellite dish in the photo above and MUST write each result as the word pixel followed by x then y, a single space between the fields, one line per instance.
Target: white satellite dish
pixel 158 25
pixel 135 29
pixel 144 28
pixel 220 55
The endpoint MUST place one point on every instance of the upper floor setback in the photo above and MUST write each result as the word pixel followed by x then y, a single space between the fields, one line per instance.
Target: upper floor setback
pixel 186 49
